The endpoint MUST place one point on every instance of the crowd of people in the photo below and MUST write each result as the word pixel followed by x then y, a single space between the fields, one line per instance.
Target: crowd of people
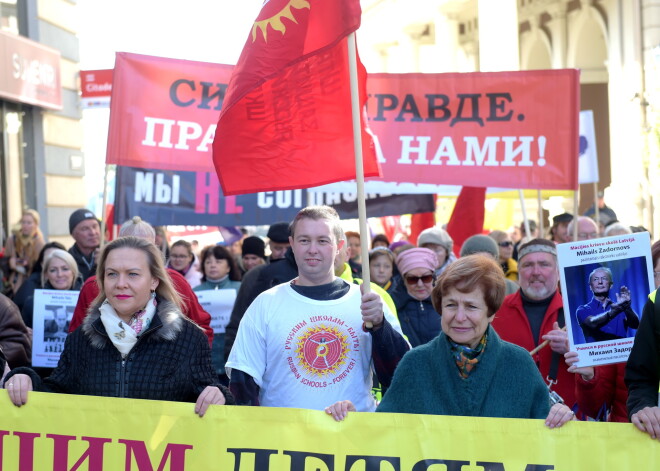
pixel 475 333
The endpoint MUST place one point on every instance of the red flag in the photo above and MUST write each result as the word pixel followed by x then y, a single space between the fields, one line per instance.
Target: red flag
pixel 467 218
pixel 286 118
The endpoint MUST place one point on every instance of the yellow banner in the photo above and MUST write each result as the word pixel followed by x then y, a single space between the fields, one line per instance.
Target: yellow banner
pixel 61 433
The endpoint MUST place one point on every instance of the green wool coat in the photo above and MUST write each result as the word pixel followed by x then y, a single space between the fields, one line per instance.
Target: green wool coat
pixel 505 383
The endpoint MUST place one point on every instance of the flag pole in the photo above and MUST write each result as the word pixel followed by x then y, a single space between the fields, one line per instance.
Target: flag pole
pixel 539 200
pixel 104 210
pixel 524 212
pixel 356 112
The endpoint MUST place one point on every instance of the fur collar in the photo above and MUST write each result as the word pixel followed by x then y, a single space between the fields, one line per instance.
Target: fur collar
pixel 166 325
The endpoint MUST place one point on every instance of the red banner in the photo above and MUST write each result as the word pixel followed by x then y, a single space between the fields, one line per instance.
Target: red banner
pixel 499 129
pixel 163 112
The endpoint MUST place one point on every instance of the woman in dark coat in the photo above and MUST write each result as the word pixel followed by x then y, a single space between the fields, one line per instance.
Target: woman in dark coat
pixel 135 332
pixel 412 297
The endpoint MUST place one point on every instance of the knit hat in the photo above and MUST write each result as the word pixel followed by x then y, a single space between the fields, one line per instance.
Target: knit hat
pixel 480 243
pixel 537 245
pixel 416 258
pixel 399 243
pixel 562 218
pixel 435 235
pixel 279 232
pixel 253 245
pixel 78 216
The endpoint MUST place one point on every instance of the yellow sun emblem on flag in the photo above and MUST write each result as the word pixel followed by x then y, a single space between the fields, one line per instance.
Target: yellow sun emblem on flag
pixel 322 350
pixel 275 21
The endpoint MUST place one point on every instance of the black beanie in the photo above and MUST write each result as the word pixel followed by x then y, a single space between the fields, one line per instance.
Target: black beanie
pixel 253 245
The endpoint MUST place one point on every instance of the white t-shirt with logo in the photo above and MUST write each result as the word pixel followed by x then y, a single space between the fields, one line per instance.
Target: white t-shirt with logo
pixel 305 353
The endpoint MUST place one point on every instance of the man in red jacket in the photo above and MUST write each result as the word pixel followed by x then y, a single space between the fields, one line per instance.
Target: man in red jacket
pixel 190 308
pixel 535 313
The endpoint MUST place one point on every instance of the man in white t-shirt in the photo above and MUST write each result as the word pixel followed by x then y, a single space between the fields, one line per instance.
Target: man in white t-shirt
pixel 304 343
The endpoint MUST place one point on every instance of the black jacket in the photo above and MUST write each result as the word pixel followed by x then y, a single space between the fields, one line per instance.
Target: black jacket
pixel 643 367
pixel 86 264
pixel 171 361
pixel 419 321
pixel 253 284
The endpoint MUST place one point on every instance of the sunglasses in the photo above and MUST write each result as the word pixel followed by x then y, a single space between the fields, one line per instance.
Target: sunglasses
pixel 506 243
pixel 413 280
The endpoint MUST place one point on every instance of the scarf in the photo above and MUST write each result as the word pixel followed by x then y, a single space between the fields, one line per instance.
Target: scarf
pixel 125 335
pixel 467 358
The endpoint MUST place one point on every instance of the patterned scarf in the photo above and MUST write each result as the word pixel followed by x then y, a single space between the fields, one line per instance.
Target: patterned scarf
pixel 466 357
pixel 124 335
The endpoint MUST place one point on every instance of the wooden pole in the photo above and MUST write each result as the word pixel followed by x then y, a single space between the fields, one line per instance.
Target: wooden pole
pixel 539 200
pixel 524 211
pixel 576 216
pixel 356 113
pixel 597 209
pixel 104 210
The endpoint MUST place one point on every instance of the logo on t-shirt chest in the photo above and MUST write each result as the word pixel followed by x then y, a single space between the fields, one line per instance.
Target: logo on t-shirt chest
pixel 321 350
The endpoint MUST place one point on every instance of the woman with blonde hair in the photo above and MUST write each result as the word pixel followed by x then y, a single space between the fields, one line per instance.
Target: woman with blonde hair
pixel 60 271
pixel 134 343
pixel 22 249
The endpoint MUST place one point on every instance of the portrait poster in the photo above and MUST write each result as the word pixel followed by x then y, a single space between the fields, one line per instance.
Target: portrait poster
pixel 605 284
pixel 52 313
pixel 218 303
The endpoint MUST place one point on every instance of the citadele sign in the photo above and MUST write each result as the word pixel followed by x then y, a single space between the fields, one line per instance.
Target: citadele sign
pixel 30 72
pixel 95 88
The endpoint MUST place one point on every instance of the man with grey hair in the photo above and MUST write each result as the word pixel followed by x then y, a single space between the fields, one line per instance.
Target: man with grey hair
pixel 535 313
pixel 603 319
pixel 587 228
pixel 305 343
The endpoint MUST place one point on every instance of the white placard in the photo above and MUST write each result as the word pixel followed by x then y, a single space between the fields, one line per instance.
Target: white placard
pixel 588 157
pixel 51 316
pixel 605 284
pixel 218 303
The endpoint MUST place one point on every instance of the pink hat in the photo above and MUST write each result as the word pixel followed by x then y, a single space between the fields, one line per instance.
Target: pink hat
pixel 416 258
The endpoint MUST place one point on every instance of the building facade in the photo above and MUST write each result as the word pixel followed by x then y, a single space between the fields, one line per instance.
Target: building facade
pixel 41 159
pixel 614 43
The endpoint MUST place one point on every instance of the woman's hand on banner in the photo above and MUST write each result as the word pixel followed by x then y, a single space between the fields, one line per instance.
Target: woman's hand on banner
pixel 18 386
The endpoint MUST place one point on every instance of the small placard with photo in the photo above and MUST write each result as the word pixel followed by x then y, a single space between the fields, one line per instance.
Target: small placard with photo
pixel 605 284
pixel 52 313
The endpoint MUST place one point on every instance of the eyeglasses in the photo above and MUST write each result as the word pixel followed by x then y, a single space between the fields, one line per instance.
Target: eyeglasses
pixel 587 235
pixel 413 280
pixel 656 274
pixel 179 256
pixel 506 243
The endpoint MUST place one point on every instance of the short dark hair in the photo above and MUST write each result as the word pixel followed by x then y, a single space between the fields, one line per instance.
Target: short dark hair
pixel 220 253
pixel 380 238
pixel 468 273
